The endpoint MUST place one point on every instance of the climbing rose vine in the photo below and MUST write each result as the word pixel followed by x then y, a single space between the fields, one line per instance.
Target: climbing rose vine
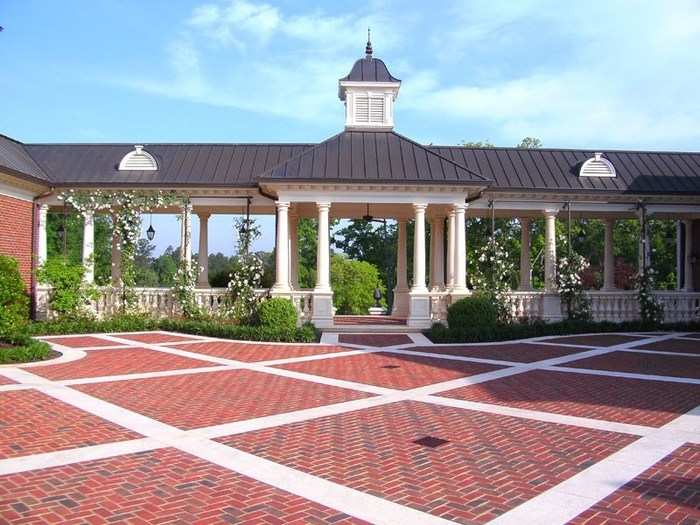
pixel 569 271
pixel 650 309
pixel 126 208
pixel 492 276
pixel 247 274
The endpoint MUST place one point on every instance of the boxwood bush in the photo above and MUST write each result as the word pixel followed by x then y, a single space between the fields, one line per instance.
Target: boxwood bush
pixel 472 333
pixel 14 302
pixel 277 313
pixel 20 348
pixel 474 311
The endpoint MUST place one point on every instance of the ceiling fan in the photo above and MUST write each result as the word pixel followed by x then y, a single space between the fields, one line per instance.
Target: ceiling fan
pixel 370 218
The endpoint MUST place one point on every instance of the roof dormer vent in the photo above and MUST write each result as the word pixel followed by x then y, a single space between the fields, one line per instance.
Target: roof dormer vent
pixel 138 160
pixel 597 166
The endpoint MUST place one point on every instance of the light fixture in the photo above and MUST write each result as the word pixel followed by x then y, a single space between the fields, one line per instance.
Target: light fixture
pixel 151 232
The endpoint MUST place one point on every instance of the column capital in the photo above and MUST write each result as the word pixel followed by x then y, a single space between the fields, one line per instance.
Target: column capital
pixel 44 207
pixel 203 215
pixel 550 212
pixel 187 206
pixel 420 206
pixel 323 205
pixel 524 220
pixel 282 205
pixel 457 206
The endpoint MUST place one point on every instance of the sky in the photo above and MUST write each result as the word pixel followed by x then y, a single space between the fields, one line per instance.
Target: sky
pixel 600 74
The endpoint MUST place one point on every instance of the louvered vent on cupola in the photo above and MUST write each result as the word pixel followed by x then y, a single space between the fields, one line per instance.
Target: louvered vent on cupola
pixel 597 166
pixel 370 110
pixel 138 160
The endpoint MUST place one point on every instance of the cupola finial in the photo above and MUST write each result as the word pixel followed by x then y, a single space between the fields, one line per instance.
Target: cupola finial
pixel 368 48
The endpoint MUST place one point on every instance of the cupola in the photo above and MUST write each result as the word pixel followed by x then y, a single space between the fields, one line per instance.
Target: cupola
pixel 369 92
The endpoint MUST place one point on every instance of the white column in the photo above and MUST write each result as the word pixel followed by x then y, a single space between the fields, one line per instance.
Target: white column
pixel 688 284
pixel 293 251
pixel 400 307
pixel 203 252
pixel 525 272
pixel 89 247
pixel 550 251
pixel 116 255
pixel 323 276
pixel 451 243
pixel 322 315
pixel 609 256
pixel 437 254
pixel 186 234
pixel 42 244
pixel 282 249
pixel 551 306
pixel 460 282
pixel 419 250
pixel 419 299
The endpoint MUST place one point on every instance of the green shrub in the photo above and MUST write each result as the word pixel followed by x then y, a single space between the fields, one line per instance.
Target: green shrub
pixel 304 334
pixel 475 311
pixel 14 303
pixel 69 295
pixel 353 285
pixel 472 333
pixel 277 313
pixel 22 349
pixel 86 325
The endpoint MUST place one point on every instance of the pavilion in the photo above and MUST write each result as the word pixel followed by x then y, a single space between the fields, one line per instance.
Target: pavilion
pixel 368 163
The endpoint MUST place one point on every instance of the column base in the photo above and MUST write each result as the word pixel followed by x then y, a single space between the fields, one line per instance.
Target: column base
pixel 322 312
pixel 551 308
pixel 400 307
pixel 459 293
pixel 419 310
pixel 280 291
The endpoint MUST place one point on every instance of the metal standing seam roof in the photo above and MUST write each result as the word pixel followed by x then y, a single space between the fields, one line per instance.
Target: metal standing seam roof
pixel 557 169
pixel 353 156
pixel 369 69
pixel 371 156
pixel 178 164
pixel 15 158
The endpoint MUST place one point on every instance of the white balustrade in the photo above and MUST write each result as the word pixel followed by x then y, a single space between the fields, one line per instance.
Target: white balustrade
pixel 439 301
pixel 527 304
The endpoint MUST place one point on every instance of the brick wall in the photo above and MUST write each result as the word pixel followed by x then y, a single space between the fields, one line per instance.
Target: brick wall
pixel 16 233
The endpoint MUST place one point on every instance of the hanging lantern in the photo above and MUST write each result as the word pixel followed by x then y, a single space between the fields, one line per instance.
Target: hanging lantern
pixel 151 232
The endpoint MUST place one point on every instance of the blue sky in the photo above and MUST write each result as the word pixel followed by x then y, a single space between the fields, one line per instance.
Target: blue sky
pixel 603 74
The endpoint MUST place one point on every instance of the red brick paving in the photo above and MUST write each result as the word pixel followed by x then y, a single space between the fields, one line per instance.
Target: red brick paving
pixel 158 486
pixel 155 338
pixel 375 339
pixel 33 423
pixel 81 342
pixel 674 345
pixel 250 353
pixel 116 362
pixel 669 492
pixel 199 400
pixel 596 340
pixel 639 363
pixel 6 381
pixel 391 370
pixel 518 352
pixel 490 465
pixel 635 401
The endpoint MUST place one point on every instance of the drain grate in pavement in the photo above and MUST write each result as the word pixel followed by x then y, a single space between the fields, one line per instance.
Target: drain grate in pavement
pixel 390 366
pixel 430 441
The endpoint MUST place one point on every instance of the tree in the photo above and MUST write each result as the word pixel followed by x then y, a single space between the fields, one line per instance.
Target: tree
pixel 371 242
pixel 143 264
pixel 530 143
pixel 476 144
pixel 353 284
pixel 166 266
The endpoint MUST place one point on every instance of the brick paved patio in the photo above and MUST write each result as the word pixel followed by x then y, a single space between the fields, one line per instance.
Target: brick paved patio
pixel 203 430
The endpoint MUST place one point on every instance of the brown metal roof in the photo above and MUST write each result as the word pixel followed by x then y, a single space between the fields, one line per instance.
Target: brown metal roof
pixel 178 164
pixel 370 69
pixel 638 172
pixel 353 156
pixel 15 159
pixel 371 156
